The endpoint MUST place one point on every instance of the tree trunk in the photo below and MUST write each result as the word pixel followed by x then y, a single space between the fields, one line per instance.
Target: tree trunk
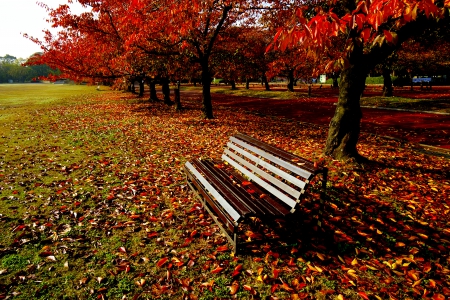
pixel 387 88
pixel 178 106
pixel 247 83
pixel 335 80
pixel 266 83
pixel 290 85
pixel 166 91
pixel 141 87
pixel 233 84
pixel 344 128
pixel 206 90
pixel 153 96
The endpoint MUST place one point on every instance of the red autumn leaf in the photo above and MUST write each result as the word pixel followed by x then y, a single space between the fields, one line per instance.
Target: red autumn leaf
pixel 222 248
pixel 237 270
pixel 152 234
pixel 217 270
pixel 245 183
pixel 122 249
pixel 438 296
pixel 363 295
pixel 274 288
pixel 161 262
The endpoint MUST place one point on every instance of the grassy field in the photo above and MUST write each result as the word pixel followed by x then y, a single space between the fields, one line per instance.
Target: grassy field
pixel 94 204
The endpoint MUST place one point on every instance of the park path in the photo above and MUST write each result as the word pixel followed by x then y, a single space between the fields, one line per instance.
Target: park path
pixel 414 126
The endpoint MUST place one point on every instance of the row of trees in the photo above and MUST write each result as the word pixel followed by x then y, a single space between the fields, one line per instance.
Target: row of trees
pixel 159 40
pixel 12 70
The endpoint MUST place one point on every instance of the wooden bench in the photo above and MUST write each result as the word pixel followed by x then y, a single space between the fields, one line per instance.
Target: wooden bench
pixel 254 179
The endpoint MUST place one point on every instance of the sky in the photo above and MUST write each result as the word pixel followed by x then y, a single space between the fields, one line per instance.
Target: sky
pixel 25 16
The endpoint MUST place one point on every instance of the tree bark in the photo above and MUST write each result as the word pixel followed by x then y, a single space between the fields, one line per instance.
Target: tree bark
pixel 344 128
pixel 206 91
pixel 387 88
pixel 233 84
pixel 266 83
pixel 335 80
pixel 290 85
pixel 141 87
pixel 178 106
pixel 166 91
pixel 247 83
pixel 153 96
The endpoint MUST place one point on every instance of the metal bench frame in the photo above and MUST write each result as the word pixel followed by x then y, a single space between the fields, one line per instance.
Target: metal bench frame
pixel 262 181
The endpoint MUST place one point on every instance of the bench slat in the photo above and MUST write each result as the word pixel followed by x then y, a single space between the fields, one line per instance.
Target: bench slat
pixel 230 210
pixel 262 207
pixel 282 209
pixel 281 185
pixel 304 173
pixel 301 184
pixel 309 165
pixel 222 188
pixel 262 183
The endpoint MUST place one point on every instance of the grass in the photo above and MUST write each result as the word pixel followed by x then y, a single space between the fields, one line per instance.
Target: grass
pixel 94 204
pixel 434 105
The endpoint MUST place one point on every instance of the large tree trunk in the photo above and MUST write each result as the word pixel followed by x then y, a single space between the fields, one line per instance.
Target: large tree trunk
pixel 344 128
pixel 247 83
pixel 206 90
pixel 387 88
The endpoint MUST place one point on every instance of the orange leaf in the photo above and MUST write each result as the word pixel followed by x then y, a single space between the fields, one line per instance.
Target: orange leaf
pixel 161 262
pixel 245 183
pixel 222 248
pixel 363 295
pixel 217 270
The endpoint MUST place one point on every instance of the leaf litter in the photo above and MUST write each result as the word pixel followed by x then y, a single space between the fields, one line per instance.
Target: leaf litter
pixel 102 210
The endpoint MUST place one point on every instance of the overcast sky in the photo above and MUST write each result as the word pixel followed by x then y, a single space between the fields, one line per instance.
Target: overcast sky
pixel 24 16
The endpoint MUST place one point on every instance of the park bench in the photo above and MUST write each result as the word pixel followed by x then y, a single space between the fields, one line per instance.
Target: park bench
pixel 253 179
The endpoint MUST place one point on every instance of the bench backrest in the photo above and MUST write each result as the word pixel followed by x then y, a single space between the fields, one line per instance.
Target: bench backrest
pixel 281 173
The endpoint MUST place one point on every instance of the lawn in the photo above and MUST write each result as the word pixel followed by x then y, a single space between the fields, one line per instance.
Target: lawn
pixel 94 204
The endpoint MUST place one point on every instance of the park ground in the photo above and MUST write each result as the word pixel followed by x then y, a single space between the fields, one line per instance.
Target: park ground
pixel 94 203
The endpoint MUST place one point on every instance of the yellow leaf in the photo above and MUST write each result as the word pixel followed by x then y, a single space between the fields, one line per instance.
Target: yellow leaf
pixel 417 282
pixel 372 268
pixel 354 262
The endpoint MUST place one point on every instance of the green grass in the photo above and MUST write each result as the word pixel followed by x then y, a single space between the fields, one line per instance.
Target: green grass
pixel 435 105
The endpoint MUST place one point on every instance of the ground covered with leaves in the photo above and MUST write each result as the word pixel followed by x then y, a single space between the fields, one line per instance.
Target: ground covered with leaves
pixel 94 204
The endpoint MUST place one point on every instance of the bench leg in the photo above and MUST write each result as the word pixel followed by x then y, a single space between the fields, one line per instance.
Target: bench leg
pixel 232 240
pixel 322 196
